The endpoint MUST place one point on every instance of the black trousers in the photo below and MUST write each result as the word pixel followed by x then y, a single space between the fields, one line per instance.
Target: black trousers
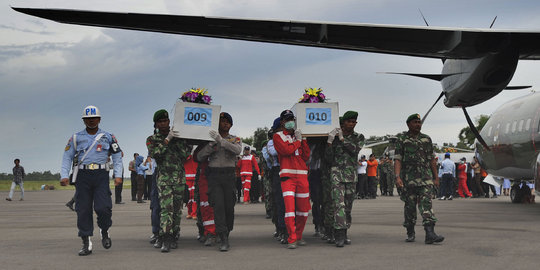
pixel 447 185
pixel 92 192
pixel 372 186
pixel 362 186
pixel 221 188
pixel 315 194
pixel 133 186
pixel 279 204
pixel 147 186
pixel 118 192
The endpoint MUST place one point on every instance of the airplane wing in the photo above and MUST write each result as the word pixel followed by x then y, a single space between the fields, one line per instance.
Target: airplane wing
pixel 422 41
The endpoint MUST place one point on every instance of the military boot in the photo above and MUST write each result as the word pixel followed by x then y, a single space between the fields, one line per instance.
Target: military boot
pixel 166 246
pixel 105 239
pixel 224 246
pixel 70 204
pixel 330 236
pixel 410 234
pixel 347 240
pixel 431 236
pixel 210 240
pixel 87 246
pixel 159 242
pixel 154 238
pixel 339 237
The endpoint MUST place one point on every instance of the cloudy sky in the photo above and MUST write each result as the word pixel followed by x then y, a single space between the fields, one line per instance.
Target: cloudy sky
pixel 49 71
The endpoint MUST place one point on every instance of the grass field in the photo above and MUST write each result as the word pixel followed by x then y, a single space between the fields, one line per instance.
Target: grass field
pixel 5 185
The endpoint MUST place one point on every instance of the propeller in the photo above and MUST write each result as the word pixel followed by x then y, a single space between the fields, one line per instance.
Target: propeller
pixel 425 115
pixel 474 130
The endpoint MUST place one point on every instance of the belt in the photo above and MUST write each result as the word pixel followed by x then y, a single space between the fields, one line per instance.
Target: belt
pixel 92 166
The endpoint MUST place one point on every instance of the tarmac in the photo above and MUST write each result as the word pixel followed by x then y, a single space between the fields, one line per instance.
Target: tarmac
pixel 40 233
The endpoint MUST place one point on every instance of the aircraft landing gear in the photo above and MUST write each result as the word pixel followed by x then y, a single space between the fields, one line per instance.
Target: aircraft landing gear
pixel 518 193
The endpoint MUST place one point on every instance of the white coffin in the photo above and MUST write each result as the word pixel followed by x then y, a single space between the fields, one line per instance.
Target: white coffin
pixel 194 120
pixel 316 119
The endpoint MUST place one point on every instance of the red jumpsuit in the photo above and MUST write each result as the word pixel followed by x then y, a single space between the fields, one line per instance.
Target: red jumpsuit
pixel 190 167
pixel 463 190
pixel 292 155
pixel 246 164
pixel 207 211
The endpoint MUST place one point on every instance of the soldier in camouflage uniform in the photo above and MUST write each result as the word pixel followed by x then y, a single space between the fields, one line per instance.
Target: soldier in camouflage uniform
pixel 388 169
pixel 416 173
pixel 170 153
pixel 341 155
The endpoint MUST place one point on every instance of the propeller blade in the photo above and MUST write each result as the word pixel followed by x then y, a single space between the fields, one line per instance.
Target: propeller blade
pixel 474 130
pixel 439 98
pixel 493 22
pixel 435 77
pixel 517 87
pixel 427 24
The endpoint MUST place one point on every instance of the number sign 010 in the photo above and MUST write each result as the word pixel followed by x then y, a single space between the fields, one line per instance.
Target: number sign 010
pixel 318 116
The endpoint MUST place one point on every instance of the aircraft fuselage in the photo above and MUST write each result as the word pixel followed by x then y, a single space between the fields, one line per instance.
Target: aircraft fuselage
pixel 513 134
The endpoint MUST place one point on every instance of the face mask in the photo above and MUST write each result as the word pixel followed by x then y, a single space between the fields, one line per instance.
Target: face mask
pixel 289 125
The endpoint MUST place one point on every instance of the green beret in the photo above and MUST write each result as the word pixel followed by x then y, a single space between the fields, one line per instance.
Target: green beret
pixel 161 114
pixel 413 117
pixel 350 115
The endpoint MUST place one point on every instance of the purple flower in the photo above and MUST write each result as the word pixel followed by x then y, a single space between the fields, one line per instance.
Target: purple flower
pixel 313 100
pixel 207 99
pixel 321 95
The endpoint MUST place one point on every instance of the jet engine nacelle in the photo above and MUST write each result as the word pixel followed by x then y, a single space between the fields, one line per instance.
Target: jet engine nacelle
pixel 473 81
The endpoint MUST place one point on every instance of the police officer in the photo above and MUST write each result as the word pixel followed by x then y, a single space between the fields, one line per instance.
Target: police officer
pixel 416 173
pixel 90 148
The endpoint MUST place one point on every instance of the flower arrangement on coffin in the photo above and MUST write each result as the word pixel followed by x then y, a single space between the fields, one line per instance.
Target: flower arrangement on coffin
pixel 313 95
pixel 197 95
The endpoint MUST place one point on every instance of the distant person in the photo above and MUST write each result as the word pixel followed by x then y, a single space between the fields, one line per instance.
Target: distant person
pixel 463 190
pixel 246 164
pixel 447 172
pixel 118 188
pixel 92 179
pixel 416 173
pixel 361 186
pixel 141 167
pixel 18 176
pixel 148 176
pixel 479 191
pixel 372 165
pixel 133 171
pixel 506 187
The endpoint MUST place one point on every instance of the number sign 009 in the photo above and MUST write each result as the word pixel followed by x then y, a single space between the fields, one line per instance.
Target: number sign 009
pixel 198 116
pixel 318 116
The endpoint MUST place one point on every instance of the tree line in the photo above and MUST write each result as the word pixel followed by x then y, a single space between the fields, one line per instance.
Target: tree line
pixel 33 176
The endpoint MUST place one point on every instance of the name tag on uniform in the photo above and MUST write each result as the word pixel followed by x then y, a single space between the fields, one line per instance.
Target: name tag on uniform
pixel 318 116
pixel 198 116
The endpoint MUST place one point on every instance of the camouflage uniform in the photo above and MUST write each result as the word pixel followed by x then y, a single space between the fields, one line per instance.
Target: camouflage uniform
pixel 388 169
pixel 171 179
pixel 342 158
pixel 416 154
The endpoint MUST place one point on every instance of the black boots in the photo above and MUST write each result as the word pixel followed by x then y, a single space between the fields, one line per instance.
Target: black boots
pixel 410 234
pixel 224 237
pixel 431 236
pixel 154 238
pixel 166 245
pixel 70 204
pixel 87 246
pixel 339 235
pixel 210 240
pixel 105 239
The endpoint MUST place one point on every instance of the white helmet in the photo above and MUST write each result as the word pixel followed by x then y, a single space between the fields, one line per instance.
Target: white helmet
pixel 91 111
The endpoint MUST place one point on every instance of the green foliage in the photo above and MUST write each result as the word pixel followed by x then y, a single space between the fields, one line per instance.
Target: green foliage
pixel 259 136
pixel 33 176
pixel 248 140
pixel 466 136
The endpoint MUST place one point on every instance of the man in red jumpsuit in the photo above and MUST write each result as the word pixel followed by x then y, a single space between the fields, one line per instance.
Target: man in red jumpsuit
pixel 246 164
pixel 293 152
pixel 463 190
pixel 190 166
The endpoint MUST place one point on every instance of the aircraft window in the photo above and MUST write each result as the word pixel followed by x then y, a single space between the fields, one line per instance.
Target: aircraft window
pixel 489 131
pixel 507 128
pixel 528 124
pixel 520 125
pixel 514 126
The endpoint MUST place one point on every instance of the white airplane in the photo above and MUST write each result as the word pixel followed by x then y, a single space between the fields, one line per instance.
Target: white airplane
pixel 477 63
